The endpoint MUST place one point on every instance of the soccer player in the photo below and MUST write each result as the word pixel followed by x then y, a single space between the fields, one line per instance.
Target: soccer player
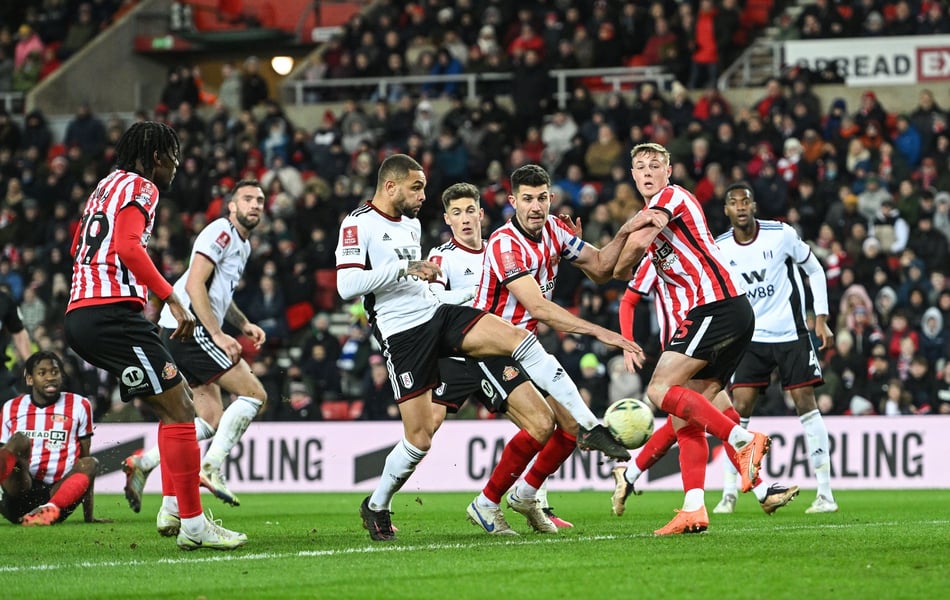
pixel 771 498
pixel 517 281
pixel 379 257
pixel 702 352
pixel 46 469
pixel 770 256
pixel 211 359
pixel 105 325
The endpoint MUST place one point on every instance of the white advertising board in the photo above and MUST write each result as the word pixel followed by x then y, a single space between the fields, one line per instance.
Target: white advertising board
pixel 867 453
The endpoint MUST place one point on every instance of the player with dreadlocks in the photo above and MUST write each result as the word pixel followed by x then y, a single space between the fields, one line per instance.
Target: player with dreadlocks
pixel 104 323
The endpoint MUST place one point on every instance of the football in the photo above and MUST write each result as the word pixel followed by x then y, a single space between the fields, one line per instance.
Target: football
pixel 630 421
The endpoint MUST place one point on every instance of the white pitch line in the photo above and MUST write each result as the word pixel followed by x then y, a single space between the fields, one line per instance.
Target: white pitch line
pixel 382 548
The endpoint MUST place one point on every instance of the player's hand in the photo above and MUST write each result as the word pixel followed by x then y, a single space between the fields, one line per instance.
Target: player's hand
pixel 230 345
pixel 633 361
pixel 423 269
pixel 255 334
pixel 648 218
pixel 575 225
pixel 186 320
pixel 824 333
pixel 612 338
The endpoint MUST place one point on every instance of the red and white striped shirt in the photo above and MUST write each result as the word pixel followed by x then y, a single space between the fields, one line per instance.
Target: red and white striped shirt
pixel 55 430
pixel 669 313
pixel 98 273
pixel 510 254
pixel 692 270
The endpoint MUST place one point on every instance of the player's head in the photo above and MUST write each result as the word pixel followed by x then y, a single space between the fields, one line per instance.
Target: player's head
pixel 531 197
pixel 44 376
pixel 401 182
pixel 740 205
pixel 247 203
pixel 463 214
pixel 151 149
pixel 650 167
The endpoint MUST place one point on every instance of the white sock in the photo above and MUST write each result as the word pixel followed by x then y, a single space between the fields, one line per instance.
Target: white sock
pixel 203 429
pixel 816 440
pixel 234 422
pixel 739 437
pixel 761 491
pixel 548 373
pixel 170 504
pixel 400 464
pixel 632 473
pixel 730 476
pixel 193 525
pixel 542 494
pixel 695 499
pixel 484 502
pixel 525 490
pixel 150 459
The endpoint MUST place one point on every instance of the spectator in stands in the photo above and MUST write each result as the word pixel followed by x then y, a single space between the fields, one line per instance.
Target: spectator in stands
pixel 705 56
pixel 87 132
pixel 603 153
pixel 378 401
pixel 254 88
pixel 444 64
pixel 530 91
pixel 28 42
pixel 79 32
pixel 180 87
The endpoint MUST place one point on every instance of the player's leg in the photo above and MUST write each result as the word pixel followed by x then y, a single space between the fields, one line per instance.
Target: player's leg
pixel 250 400
pixel 493 336
pixel 819 448
pixel 65 494
pixel 625 478
pixel 743 403
pixel 16 480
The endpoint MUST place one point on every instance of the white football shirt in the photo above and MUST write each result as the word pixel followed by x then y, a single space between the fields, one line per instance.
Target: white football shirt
pixel 461 266
pixel 769 271
pixel 220 243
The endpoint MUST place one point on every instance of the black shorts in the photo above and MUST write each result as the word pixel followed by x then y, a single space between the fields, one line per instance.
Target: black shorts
pixel 717 333
pixel 199 359
pixel 797 364
pixel 488 381
pixel 413 355
pixel 118 338
pixel 13 509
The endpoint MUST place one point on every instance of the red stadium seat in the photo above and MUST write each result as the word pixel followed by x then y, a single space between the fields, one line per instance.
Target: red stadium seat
pixel 325 297
pixel 298 315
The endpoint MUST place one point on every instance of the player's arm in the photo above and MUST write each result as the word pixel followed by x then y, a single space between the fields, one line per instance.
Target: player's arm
pixel 819 292
pixel 88 514
pixel 199 273
pixel 646 225
pixel 130 225
pixel 442 287
pixel 628 306
pixel 527 292
pixel 22 343
pixel 352 282
pixel 598 264
pixel 235 316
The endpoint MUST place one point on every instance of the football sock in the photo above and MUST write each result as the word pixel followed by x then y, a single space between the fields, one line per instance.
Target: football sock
pixel 694 450
pixel 234 422
pixel 542 495
pixel 70 491
pixel 168 484
pixel 656 447
pixel 694 500
pixel 514 459
pixel 730 476
pixel 170 503
pixel 151 458
pixel 7 463
pixel 179 446
pixel 632 473
pixel 816 440
pixel 556 450
pixel 760 490
pixel 550 376
pixel 689 405
pixel 400 464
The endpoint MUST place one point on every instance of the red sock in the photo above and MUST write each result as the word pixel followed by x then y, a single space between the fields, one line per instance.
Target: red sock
pixel 557 449
pixel 658 445
pixel 168 485
pixel 689 405
pixel 514 459
pixel 7 463
pixel 732 414
pixel 70 491
pixel 694 451
pixel 181 458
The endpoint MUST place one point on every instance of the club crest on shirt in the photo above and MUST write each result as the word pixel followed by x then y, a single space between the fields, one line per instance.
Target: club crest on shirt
pixel 350 237
pixel 169 371
pixel 436 260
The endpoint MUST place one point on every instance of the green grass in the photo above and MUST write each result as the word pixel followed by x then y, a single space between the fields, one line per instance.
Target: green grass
pixel 889 544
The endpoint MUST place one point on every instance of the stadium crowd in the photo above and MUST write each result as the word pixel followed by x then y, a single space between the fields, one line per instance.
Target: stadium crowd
pixel 867 186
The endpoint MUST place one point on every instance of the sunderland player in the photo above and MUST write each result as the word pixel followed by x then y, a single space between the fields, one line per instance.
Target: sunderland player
pixel 46 469
pixel 770 256
pixel 379 257
pixel 701 354
pixel 771 498
pixel 517 281
pixel 105 325
pixel 211 359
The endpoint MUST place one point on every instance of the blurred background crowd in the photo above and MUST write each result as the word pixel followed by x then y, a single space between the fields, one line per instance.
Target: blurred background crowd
pixel 866 185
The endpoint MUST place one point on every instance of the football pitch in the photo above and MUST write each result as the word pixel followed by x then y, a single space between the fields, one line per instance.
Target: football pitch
pixel 884 544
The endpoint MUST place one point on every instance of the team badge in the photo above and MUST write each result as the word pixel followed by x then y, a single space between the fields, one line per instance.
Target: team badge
pixel 350 237
pixel 436 260
pixel 169 371
pixel 406 379
pixel 59 418
pixel 223 239
pixel 509 373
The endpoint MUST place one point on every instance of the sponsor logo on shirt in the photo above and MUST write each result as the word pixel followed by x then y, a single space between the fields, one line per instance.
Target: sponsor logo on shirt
pixel 350 237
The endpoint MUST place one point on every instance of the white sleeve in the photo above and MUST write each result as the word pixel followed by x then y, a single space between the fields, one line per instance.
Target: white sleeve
pixel 354 281
pixel 460 296
pixel 818 283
